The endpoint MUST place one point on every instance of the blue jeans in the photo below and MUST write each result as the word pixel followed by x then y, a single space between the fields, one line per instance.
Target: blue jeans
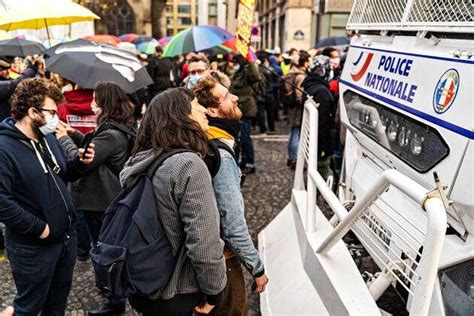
pixel 42 275
pixel 93 221
pixel 293 143
pixel 248 157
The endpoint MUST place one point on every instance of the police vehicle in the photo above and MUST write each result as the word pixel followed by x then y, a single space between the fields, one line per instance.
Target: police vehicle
pixel 406 97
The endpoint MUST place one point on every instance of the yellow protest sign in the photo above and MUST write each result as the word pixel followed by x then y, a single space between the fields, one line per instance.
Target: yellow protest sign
pixel 244 26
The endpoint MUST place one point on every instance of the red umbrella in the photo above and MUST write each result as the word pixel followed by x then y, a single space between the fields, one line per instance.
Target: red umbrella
pixel 251 56
pixel 104 38
pixel 129 37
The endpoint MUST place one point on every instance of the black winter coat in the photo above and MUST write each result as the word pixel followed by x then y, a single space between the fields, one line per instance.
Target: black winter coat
pixel 319 90
pixel 100 185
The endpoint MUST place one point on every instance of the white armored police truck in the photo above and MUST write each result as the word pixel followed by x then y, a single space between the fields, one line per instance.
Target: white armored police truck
pixel 407 184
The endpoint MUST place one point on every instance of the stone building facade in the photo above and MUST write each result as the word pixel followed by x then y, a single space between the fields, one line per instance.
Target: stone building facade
pixel 300 23
pixel 158 18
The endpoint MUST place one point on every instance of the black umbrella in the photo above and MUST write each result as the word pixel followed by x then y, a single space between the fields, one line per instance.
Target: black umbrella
pixel 333 41
pixel 20 47
pixel 87 63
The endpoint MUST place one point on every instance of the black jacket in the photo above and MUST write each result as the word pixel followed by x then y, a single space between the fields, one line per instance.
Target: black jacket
pixel 31 194
pixel 6 90
pixel 159 69
pixel 319 90
pixel 100 184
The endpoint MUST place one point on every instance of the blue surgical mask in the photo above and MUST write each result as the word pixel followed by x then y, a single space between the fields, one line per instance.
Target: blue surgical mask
pixel 52 122
pixel 192 81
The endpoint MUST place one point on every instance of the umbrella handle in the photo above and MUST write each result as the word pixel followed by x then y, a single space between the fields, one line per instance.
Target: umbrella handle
pixel 47 32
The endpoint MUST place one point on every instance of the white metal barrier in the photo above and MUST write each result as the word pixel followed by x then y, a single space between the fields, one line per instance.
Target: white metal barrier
pixel 412 15
pixel 418 274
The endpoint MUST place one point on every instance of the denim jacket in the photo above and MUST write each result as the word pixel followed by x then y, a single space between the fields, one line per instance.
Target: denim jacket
pixel 230 204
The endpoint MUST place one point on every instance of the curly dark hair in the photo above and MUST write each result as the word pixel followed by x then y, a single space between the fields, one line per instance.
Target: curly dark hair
pixel 115 104
pixel 31 93
pixel 167 125
pixel 203 91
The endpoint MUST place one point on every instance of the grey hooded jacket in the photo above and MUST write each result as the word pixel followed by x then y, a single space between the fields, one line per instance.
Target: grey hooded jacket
pixel 187 209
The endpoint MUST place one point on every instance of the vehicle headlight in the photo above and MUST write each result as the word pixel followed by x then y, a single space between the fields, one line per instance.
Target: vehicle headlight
pixel 457 289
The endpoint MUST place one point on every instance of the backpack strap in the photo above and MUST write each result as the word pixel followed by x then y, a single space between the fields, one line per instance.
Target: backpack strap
pixel 220 144
pixel 161 159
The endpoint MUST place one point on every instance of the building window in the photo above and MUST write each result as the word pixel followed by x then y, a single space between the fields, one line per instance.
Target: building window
pixel 184 8
pixel 169 22
pixel 213 9
pixel 185 21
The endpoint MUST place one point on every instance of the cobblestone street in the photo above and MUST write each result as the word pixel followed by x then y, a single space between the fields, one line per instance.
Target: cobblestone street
pixel 266 193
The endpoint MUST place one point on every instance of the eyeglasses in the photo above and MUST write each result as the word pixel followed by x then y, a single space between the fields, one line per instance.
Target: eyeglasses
pixel 197 71
pixel 51 112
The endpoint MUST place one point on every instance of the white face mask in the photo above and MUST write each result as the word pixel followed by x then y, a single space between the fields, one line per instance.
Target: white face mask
pixel 192 81
pixel 331 75
pixel 97 110
pixel 52 122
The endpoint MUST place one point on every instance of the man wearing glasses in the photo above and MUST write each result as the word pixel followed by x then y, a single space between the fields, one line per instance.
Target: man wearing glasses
pixel 35 205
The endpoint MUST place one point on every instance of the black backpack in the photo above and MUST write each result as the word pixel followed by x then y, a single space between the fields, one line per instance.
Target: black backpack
pixel 133 255
pixel 213 158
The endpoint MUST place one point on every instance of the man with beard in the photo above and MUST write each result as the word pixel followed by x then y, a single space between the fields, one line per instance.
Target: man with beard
pixel 35 204
pixel 224 122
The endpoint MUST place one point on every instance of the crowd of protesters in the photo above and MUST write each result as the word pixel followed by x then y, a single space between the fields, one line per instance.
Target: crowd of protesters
pixel 66 153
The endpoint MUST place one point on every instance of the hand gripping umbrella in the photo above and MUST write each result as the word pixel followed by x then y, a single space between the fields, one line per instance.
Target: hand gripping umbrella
pixel 87 63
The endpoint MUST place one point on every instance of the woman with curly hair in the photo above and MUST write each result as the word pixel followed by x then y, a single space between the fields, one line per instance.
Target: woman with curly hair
pixel 185 202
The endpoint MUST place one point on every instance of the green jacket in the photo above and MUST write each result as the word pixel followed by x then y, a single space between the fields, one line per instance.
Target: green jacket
pixel 244 85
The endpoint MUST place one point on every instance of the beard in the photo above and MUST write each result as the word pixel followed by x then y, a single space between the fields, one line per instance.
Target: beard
pixel 231 114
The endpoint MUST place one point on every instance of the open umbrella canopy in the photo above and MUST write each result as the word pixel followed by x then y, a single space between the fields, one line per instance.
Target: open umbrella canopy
pixel 216 50
pixel 87 63
pixel 104 38
pixel 251 56
pixel 28 37
pixel 20 48
pixel 129 37
pixel 196 38
pixel 165 40
pixel 128 47
pixel 333 41
pixel 43 13
pixel 147 47
pixel 143 38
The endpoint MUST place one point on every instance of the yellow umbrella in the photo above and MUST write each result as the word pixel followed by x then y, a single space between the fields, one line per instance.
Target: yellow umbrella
pixel 40 14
